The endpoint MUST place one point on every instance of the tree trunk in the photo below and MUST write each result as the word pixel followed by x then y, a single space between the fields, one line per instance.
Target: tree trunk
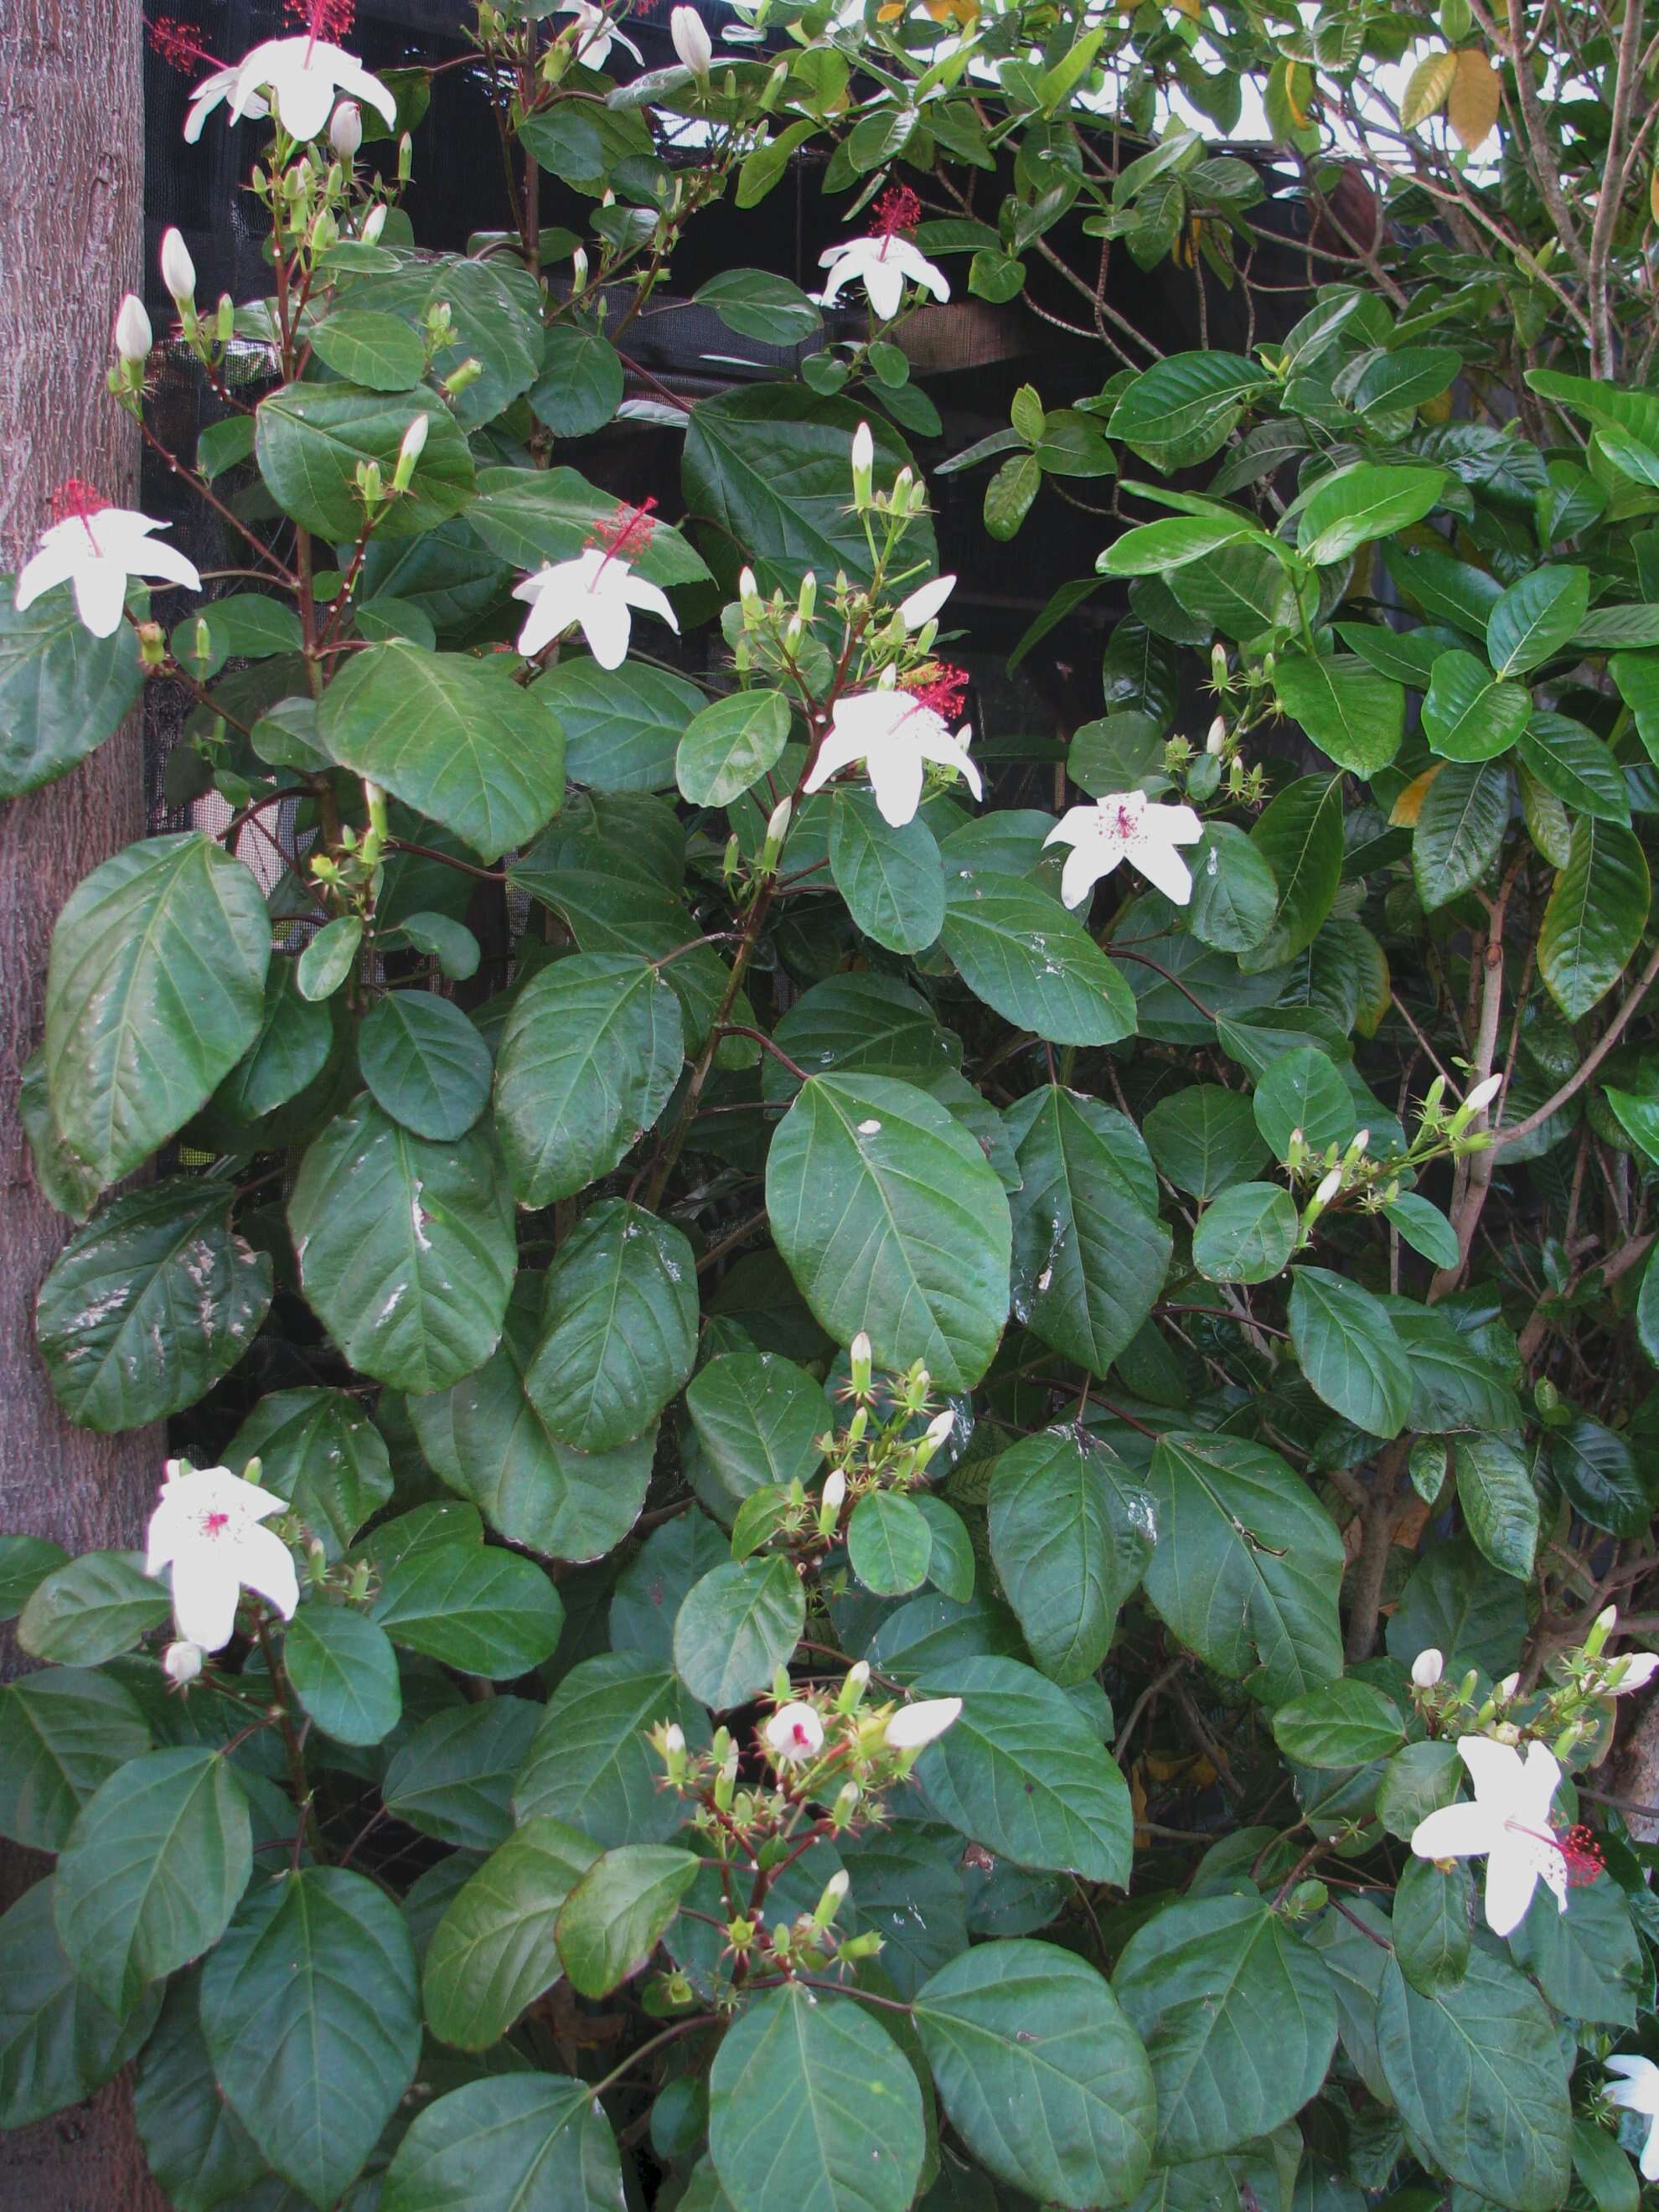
pixel 71 228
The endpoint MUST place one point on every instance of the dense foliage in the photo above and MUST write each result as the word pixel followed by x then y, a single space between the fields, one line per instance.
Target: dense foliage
pixel 895 1419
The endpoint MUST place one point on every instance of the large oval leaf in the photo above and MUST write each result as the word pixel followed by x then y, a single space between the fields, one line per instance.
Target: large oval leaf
pixel 62 691
pixel 891 878
pixel 425 1063
pixel 493 1952
pixel 1036 964
pixel 1595 918
pixel 64 1731
pixel 58 2039
pixel 1070 1536
pixel 1349 1352
pixel 526 2142
pixel 590 1764
pixel 619 1331
pixel 471 1605
pixel 319 1449
pixel 309 438
pixel 736 1627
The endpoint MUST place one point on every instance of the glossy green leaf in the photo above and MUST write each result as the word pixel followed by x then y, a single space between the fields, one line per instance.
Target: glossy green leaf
pixel 494 1951
pixel 521 2143
pixel 425 1063
pixel 1349 507
pixel 1349 1352
pixel 590 1764
pixel 62 691
pixel 1595 916
pixel 58 2040
pixel 1469 717
pixel 309 438
pixel 890 1545
pixel 730 744
pixel 892 879
pixel 63 1732
pixel 471 1605
pixel 1071 1535
pixel 1535 618
pixel 758 1417
pixel 1460 830
pixel 1500 1504
pixel 91 1609
pixel 1342 1723
pixel 619 1328
pixel 319 1449
pixel 1247 1234
pixel 1355 717
pixel 1300 837
pixel 1033 962
pixel 345 1673
pixel 617 1913
pixel 736 1627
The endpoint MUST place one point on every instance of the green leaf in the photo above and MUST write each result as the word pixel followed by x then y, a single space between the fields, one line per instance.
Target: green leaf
pixel 1455 1602
pixel 1537 615
pixel 1587 1960
pixel 530 517
pixel 1247 1234
pixel 405 1248
pixel 1042 2076
pixel 1354 505
pixel 1469 717
pixel 617 1914
pixel 453 737
pixel 1460 830
pixel 345 1673
pixel 25 1563
pixel 809 2104
pixel 521 2143
pixel 1201 1981
pixel 1157 548
pixel 1070 1538
pixel 149 1305
pixel 1349 1352
pixel 471 1605
pixel 1022 1773
pixel 619 1329
pixel 651 1586
pixel 379 352
pixel 622 726
pixel 62 1734
pixel 1596 1468
pixel 771 466
pixel 889 1543
pixel 91 1609
pixel 452 1776
pixel 1300 837
pixel 730 744
pixel 891 878
pixel 1204 1138
pixel 62 691
pixel 1247 1566
pixel 309 439
pixel 1595 916
pixel 494 1953
pixel 1342 1723
pixel 425 1063
pixel 892 1221
pixel 1573 763
pixel 1424 1228
pixel 65 1181
pixel 758 1417
pixel 1009 495
pixel 1500 1505
pixel 1604 2169
pixel 1031 962
pixel 1355 717
pixel 152 1870
pixel 1184 409
pixel 1302 1090
pixel 319 1449
pixel 1430 1924
pixel 736 1627
pixel 58 2040
pixel 310 2012
pixel 1235 892
pixel 590 1762
pixel 156 990
pixel 580 385
pixel 197 2150
pixel 1478 2077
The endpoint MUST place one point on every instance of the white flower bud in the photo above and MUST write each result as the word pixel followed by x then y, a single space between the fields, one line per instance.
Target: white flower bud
pixel 1217 737
pixel 673 1738
pixel 182 1662
pixel 1427 1668
pixel 912 1726
pixel 834 1494
pixel 579 269
pixel 1483 1094
pixel 345 130
pixel 838 1884
pixel 1508 1687
pixel 1328 1186
pixel 133 335
pixel 863 464
pixel 691 41
pixel 177 270
pixel 858 1675
pixel 859 1350
pixel 409 451
pixel 373 224
pixel 925 602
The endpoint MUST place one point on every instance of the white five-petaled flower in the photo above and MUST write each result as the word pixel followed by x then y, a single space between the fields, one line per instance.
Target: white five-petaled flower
pixel 97 549
pixel 894 735
pixel 794 1734
pixel 303 76
pixel 596 34
pixel 207 1530
pixel 1638 2092
pixel 598 590
pixel 1507 1824
pixel 882 266
pixel 1126 825
pixel 912 1726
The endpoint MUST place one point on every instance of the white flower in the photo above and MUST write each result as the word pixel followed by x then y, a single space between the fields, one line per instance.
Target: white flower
pixel 597 590
pixel 794 1735
pixel 881 266
pixel 1125 825
pixel 177 270
pixel 97 549
pixel 925 602
pixel 1508 1823
pixel 133 335
pixel 1640 2092
pixel 208 96
pixel 691 41
pixel 304 76
pixel 181 1662
pixel 207 1529
pixel 596 34
pixel 1427 1668
pixel 894 735
pixel 1634 1671
pixel 345 130
pixel 912 1726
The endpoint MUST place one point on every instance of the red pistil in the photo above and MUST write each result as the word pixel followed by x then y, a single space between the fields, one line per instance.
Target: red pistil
pixel 897 210
pixel 178 43
pixel 214 1524
pixel 1583 1854
pixel 328 19
pixel 75 499
pixel 625 533
pixel 940 688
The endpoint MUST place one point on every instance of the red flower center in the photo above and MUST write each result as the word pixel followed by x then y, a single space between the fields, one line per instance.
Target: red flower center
pixel 178 43
pixel 328 19
pixel 1583 1854
pixel 800 1736
pixel 897 210
pixel 214 1524
pixel 940 688
pixel 626 533
pixel 75 501
pixel 1128 821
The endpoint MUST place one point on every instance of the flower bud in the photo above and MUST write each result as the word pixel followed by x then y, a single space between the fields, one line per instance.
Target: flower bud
pixel 777 827
pixel 177 270
pixel 1216 738
pixel 860 1355
pixel 691 41
pixel 182 1662
pixel 1329 1186
pixel 1483 1094
pixel 579 269
pixel 225 322
pixel 1601 1628
pixel 345 130
pixel 749 597
pixel 809 595
pixel 864 464
pixel 1427 1668
pixel 409 451
pixel 373 224
pixel 133 335
pixel 925 602
pixel 835 1888
pixel 1507 1688
pixel 852 1690
pixel 938 1435
pixel 406 158
pixel 912 1726
pixel 834 1494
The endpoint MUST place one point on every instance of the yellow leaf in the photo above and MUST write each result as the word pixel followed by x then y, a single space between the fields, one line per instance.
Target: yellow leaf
pixel 1409 804
pixel 1187 7
pixel 1653 192
pixel 1298 92
pixel 1426 89
pixel 1472 104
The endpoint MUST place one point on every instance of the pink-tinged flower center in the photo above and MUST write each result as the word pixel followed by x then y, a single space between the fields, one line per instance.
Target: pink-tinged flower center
pixel 78 501
pixel 800 1737
pixel 897 212
pixel 626 533
pixel 1125 822
pixel 214 1524
pixel 327 19
pixel 178 44
pixel 940 688
pixel 1580 1853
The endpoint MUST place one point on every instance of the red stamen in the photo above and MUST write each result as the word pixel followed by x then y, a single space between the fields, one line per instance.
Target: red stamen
pixel 178 43
pixel 897 210
pixel 625 533
pixel 328 19
pixel 214 1524
pixel 940 688
pixel 77 501
pixel 1583 1854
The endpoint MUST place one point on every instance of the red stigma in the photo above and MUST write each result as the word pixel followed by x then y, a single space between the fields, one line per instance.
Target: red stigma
pixel 1583 1854
pixel 214 1524
pixel 178 44
pixel 327 19
pixel 75 501
pixel 627 532
pixel 940 688
pixel 897 210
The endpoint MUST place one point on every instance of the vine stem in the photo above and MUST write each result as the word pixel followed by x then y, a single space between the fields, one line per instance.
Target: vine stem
pixel 669 2035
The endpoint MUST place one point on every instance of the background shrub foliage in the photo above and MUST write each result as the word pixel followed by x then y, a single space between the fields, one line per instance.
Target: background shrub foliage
pixel 489 1879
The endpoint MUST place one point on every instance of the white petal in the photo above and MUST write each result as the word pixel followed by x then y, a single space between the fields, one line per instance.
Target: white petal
pixel 1177 825
pixel 53 564
pixel 925 602
pixel 607 622
pixel 638 593
pixel 1511 1878
pixel 550 615
pixel 204 1594
pixel 207 98
pixel 168 564
pixel 884 283
pixel 1494 1768
pixel 896 776
pixel 349 75
pixel 1084 865
pixel 1456 1832
pixel 840 748
pixel 266 1565
pixel 101 594
pixel 1639 2091
pixel 1651 2154
pixel 305 100
pixel 1163 868
pixel 622 39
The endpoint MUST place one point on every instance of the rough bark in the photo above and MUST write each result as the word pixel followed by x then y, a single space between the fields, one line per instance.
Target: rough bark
pixel 71 187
